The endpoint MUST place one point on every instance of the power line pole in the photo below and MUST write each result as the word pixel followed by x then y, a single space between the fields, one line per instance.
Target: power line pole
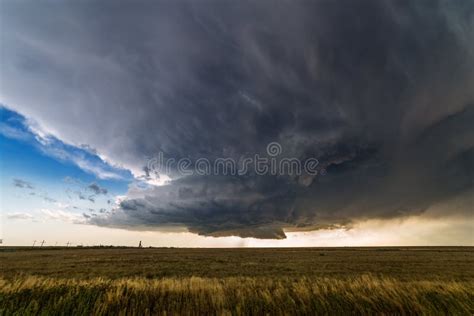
pixel 34 243
pixel 42 243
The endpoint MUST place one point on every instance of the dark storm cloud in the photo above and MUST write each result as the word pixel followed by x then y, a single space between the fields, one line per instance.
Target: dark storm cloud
pixel 379 91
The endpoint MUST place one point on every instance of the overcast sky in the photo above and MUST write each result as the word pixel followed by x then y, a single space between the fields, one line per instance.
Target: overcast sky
pixel 379 93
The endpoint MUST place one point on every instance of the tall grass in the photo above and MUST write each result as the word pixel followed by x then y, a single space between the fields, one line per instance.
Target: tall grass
pixel 235 295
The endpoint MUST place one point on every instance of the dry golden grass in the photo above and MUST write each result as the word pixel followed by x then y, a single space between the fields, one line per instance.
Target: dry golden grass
pixel 235 295
pixel 334 281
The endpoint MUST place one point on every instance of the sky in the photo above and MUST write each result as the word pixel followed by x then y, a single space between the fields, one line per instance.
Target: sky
pixel 237 124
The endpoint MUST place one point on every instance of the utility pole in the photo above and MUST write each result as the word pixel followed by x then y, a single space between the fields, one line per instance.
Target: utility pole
pixel 34 243
pixel 42 243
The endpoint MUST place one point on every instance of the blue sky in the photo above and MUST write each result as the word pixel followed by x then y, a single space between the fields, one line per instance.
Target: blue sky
pixel 39 172
pixel 28 154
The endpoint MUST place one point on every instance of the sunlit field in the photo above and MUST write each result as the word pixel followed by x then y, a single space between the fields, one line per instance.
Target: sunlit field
pixel 237 281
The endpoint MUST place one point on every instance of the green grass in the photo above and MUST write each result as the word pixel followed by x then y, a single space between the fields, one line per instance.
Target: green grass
pixel 237 281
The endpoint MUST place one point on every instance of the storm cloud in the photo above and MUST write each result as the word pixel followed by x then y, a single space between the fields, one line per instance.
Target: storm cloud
pixel 380 92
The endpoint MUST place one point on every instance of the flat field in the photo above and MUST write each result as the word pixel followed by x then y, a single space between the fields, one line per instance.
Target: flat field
pixel 102 281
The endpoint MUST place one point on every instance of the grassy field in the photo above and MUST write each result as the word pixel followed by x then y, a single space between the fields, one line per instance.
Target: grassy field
pixel 237 281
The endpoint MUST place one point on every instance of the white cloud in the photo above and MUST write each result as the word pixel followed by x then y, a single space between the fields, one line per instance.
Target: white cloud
pixel 60 215
pixel 98 168
pixel 11 132
pixel 19 216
